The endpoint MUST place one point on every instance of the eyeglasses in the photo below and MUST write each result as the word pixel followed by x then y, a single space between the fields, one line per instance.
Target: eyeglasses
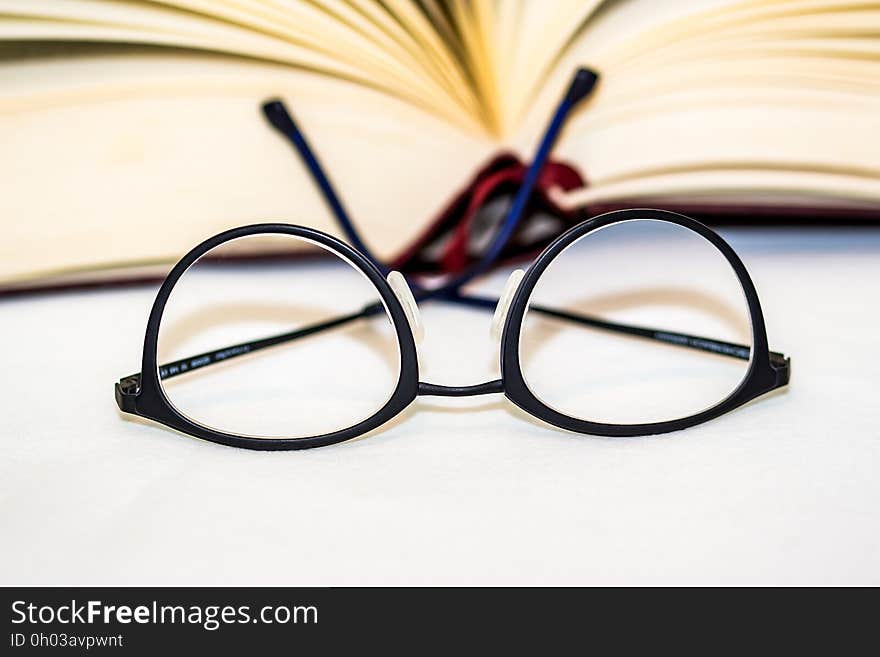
pixel 587 373
pixel 634 322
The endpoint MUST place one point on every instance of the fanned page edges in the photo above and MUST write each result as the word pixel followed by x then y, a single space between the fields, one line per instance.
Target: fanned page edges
pixel 441 57
pixel 146 170
pixel 144 137
pixel 484 65
pixel 750 102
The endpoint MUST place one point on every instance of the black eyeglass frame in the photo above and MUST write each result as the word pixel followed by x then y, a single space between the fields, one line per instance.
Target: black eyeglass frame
pixel 142 394
pixel 767 370
pixel 150 401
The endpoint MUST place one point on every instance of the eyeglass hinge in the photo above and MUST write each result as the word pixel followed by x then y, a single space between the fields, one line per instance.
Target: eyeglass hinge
pixel 127 391
pixel 782 366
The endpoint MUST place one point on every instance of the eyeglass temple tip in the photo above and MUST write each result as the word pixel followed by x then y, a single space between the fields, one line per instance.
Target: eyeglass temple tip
pixel 582 84
pixel 277 114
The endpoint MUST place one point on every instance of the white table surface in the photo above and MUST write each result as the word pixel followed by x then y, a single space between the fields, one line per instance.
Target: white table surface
pixel 456 491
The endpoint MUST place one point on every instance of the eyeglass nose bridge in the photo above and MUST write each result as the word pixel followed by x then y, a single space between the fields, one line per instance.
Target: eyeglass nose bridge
pixel 504 302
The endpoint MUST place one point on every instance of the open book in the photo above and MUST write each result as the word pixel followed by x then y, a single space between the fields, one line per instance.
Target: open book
pixel 131 129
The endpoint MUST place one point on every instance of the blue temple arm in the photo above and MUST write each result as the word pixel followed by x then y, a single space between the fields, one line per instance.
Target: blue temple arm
pixel 580 87
pixel 277 114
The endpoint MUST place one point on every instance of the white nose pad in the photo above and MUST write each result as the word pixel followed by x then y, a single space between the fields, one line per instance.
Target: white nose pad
pixel 410 308
pixel 504 302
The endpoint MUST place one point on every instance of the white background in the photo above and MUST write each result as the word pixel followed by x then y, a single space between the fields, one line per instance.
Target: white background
pixel 455 491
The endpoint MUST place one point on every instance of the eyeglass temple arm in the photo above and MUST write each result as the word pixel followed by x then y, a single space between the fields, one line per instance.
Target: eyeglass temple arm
pixel 131 384
pixel 581 86
pixel 740 351
pixel 280 119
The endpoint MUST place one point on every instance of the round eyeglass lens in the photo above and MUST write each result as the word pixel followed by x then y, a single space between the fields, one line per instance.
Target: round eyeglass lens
pixel 245 348
pixel 637 322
